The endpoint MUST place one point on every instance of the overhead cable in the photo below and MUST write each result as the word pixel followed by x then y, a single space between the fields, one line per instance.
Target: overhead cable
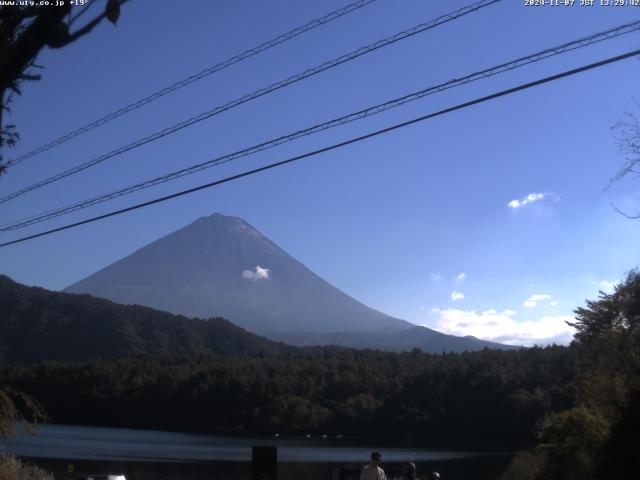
pixel 335 146
pixel 258 93
pixel 195 77
pixel 369 111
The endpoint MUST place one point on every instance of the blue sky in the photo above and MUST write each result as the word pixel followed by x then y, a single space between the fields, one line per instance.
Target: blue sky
pixel 392 221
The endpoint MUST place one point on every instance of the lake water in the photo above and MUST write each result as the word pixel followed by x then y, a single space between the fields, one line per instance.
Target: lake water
pixel 151 455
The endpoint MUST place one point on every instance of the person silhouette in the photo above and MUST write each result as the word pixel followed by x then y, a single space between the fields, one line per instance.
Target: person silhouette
pixel 409 472
pixel 373 471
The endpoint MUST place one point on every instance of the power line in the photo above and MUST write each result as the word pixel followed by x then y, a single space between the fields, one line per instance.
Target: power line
pixel 370 111
pixel 198 76
pixel 335 146
pixel 259 93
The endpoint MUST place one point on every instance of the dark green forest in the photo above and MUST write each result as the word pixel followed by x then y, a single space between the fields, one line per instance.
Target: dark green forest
pixel 490 398
pixel 572 412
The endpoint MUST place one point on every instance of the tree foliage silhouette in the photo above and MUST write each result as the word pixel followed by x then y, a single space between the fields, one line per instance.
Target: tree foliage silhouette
pixel 25 30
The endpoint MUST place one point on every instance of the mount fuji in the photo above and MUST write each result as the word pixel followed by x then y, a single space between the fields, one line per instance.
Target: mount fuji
pixel 220 266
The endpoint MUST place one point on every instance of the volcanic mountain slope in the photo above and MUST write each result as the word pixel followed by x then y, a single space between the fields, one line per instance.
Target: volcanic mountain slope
pixel 220 266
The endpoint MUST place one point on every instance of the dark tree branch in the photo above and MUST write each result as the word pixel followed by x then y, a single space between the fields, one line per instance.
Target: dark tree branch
pixel 72 37
pixel 30 77
pixel 630 217
pixel 47 29
pixel 628 141
pixel 24 32
pixel 47 25
pixel 84 10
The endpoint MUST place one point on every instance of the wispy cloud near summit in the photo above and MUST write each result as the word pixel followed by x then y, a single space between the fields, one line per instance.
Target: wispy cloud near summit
pixel 256 275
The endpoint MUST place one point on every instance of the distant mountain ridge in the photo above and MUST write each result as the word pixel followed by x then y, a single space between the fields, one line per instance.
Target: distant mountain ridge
pixel 220 266
pixel 38 324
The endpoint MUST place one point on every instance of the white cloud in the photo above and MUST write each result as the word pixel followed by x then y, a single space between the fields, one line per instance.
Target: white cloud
pixel 503 328
pixel 455 296
pixel 509 312
pixel 436 277
pixel 531 198
pixel 461 277
pixel 607 286
pixel 258 274
pixel 533 300
pixel 553 303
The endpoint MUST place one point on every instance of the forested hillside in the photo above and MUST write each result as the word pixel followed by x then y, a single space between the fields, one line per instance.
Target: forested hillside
pixel 37 324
